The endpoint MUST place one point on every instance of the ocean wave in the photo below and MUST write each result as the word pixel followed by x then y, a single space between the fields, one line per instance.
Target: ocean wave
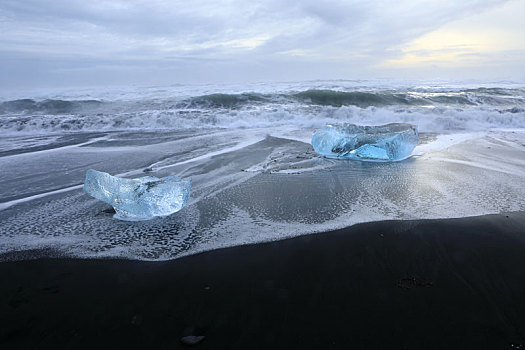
pixel 428 119
pixel 363 99
pixel 48 106
pixel 334 97
pixel 434 109
pixel 354 98
pixel 224 100
pixel 323 97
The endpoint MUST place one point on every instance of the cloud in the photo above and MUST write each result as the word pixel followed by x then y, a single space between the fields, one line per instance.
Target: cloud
pixel 244 39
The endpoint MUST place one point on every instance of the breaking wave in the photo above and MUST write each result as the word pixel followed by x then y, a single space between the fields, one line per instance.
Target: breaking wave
pixel 29 106
pixel 364 99
pixel 435 120
pixel 432 109
pixel 224 100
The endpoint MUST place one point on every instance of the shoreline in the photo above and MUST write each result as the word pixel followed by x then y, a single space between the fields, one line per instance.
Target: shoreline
pixel 273 189
pixel 447 283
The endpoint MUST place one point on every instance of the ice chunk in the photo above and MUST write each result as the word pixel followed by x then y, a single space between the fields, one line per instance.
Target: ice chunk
pixel 386 142
pixel 138 199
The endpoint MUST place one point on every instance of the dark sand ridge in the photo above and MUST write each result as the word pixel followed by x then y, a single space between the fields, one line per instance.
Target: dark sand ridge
pixel 431 284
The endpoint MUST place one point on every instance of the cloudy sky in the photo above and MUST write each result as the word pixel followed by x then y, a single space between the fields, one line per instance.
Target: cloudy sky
pixel 114 42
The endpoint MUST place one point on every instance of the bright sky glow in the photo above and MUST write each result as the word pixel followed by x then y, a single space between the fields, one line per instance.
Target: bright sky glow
pixel 493 38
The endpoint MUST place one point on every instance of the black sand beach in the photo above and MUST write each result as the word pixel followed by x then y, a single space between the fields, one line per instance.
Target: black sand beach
pixel 431 284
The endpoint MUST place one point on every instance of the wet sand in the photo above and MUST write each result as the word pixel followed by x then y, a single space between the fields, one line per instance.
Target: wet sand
pixel 427 284
pixel 246 189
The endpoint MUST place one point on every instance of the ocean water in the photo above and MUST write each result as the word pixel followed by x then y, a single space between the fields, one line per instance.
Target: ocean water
pixel 247 149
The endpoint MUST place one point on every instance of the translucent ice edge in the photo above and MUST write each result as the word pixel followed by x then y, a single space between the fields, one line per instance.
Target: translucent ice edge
pixel 138 199
pixel 389 142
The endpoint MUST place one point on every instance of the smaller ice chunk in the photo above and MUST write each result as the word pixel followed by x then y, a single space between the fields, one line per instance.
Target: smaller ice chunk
pixel 385 142
pixel 138 199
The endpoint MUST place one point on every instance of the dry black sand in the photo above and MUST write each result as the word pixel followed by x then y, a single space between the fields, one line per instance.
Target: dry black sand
pixel 432 284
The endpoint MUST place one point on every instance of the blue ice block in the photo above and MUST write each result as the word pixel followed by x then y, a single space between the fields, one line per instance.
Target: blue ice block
pixel 388 142
pixel 138 199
